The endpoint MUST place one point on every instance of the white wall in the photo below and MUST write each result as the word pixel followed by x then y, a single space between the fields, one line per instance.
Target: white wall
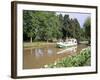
pixel 5 40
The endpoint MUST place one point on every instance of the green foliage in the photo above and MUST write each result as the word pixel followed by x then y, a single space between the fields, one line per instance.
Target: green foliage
pixel 41 25
pixel 82 59
pixel 77 29
pixel 46 26
pixel 66 26
pixel 27 24
pixel 87 28
pixel 70 27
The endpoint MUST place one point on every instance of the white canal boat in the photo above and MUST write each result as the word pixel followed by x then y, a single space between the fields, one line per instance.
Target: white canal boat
pixel 67 43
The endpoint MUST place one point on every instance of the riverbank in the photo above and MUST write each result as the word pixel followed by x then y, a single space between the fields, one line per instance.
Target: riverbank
pixel 44 43
pixel 83 42
pixel 82 59
pixel 37 44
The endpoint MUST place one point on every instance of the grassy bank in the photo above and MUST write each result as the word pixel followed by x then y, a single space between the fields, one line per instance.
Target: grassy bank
pixel 37 44
pixel 82 59
pixel 44 43
pixel 83 42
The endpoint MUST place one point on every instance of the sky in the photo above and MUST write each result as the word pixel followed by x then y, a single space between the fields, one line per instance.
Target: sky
pixel 81 17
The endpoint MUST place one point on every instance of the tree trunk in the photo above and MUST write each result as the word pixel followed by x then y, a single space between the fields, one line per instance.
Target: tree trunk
pixel 47 40
pixel 31 39
pixel 77 41
pixel 89 42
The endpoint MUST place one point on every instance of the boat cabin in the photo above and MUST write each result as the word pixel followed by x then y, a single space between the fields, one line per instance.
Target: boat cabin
pixel 67 43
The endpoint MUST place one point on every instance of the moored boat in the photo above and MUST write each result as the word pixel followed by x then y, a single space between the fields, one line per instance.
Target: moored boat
pixel 67 43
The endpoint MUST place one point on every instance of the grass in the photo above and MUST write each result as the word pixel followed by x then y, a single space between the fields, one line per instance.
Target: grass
pixel 82 59
pixel 40 44
pixel 37 44
pixel 83 42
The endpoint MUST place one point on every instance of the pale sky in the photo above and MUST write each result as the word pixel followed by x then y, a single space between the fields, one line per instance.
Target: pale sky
pixel 81 17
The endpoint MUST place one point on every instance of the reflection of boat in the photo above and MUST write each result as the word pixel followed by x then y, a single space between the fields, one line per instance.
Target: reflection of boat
pixel 67 43
pixel 70 49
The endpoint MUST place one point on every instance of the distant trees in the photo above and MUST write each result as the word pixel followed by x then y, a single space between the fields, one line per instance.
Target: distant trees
pixel 70 27
pixel 77 30
pixel 45 26
pixel 87 29
pixel 66 27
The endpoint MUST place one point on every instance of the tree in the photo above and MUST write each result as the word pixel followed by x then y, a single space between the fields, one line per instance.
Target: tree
pixel 45 26
pixel 70 27
pixel 61 19
pixel 49 25
pixel 40 25
pixel 77 30
pixel 66 25
pixel 30 24
pixel 82 34
pixel 87 27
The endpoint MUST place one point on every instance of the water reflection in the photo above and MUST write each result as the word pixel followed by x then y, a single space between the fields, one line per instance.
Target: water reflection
pixel 71 50
pixel 50 51
pixel 39 52
pixel 38 57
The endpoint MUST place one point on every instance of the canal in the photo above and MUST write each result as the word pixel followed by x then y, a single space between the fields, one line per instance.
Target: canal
pixel 37 57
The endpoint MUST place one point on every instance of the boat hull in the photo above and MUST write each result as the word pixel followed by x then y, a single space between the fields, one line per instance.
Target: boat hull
pixel 60 45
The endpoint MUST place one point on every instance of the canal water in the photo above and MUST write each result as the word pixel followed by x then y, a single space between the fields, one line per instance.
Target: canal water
pixel 38 57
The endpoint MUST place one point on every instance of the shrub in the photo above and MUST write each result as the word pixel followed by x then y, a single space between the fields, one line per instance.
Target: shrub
pixel 82 59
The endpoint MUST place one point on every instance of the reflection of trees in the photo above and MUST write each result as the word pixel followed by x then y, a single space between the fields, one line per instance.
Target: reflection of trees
pixel 47 52
pixel 50 51
pixel 40 52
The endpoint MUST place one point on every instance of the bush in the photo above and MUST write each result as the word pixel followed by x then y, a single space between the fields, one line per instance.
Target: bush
pixel 82 59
